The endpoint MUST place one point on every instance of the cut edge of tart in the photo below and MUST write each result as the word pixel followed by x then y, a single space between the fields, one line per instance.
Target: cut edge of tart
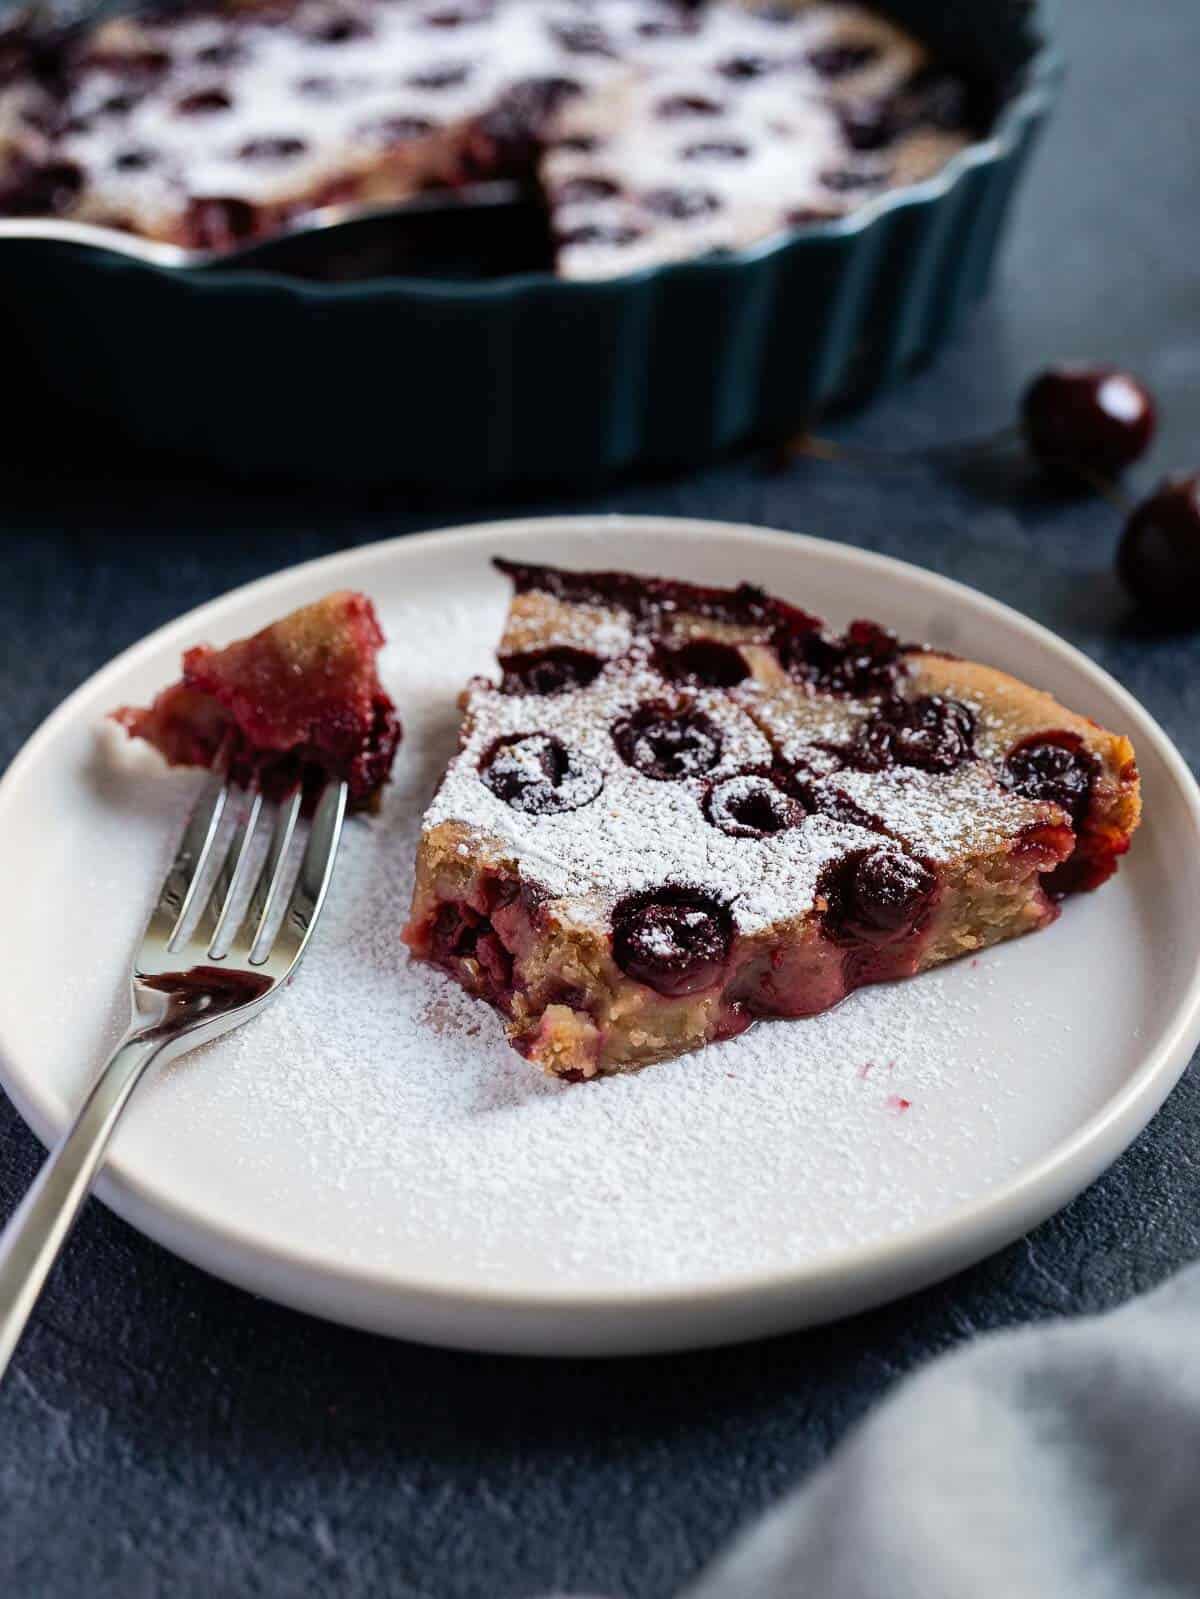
pixel 682 809
pixel 298 702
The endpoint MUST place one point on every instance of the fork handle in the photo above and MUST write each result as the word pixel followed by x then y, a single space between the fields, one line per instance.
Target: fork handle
pixel 38 1228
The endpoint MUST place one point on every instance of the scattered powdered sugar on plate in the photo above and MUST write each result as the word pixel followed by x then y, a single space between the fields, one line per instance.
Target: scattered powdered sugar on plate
pixel 376 1118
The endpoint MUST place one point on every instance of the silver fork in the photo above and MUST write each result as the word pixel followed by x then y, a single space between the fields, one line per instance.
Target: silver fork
pixel 187 988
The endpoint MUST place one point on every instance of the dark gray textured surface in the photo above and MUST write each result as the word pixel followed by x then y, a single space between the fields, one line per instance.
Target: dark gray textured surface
pixel 162 1434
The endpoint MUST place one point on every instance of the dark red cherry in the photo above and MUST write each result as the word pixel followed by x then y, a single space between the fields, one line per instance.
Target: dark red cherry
pixel 673 106
pixel 680 204
pixel 875 896
pixel 865 661
pixel 1055 767
pixel 340 30
pixel 459 16
pixel 616 234
pixel 222 54
pixel 1159 555
pixel 1092 418
pixel 846 180
pixel 549 671
pixel 676 940
pixel 703 662
pixel 134 160
pixel 931 732
pixel 395 130
pixel 752 806
pixel 575 191
pixel 667 28
pixel 448 75
pixel 214 222
pixel 668 742
pixel 836 60
pixel 715 150
pixel 584 39
pixel 742 68
pixel 203 103
pixel 536 773
pixel 280 147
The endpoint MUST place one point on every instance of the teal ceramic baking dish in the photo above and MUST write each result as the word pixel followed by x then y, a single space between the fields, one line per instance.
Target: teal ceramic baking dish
pixel 479 383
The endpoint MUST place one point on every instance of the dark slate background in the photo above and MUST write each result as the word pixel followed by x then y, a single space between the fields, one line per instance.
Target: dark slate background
pixel 162 1434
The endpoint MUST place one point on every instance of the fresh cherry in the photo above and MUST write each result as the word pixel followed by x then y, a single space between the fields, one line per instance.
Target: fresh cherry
pixel 1159 555
pixel 537 774
pixel 931 732
pixel 549 671
pixel 702 662
pixel 675 940
pixel 875 896
pixel 1055 767
pixel 668 742
pixel 752 806
pixel 1093 419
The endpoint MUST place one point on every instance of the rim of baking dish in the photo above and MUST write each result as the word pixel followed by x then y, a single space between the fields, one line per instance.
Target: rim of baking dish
pixel 1040 75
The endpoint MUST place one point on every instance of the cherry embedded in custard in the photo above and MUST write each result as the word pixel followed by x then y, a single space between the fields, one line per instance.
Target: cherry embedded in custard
pixel 932 732
pixel 876 896
pixel 836 60
pixel 1055 767
pixel 550 671
pixel 1089 418
pixel 673 106
pixel 676 940
pixel 668 743
pixel 866 661
pixel 752 806
pixel 1158 560
pixel 679 203
pixel 702 662
pixel 537 774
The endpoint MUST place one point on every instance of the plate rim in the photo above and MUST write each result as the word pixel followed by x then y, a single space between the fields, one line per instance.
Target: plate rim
pixel 915 1257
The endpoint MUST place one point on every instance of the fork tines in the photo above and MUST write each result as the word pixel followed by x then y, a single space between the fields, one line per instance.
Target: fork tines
pixel 246 931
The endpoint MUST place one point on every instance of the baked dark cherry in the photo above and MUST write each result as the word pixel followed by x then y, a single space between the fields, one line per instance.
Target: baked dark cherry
pixel 668 742
pixel 875 896
pixel 1091 418
pixel 395 130
pixel 340 30
pixel 549 671
pixel 461 16
pixel 584 39
pixel 1056 767
pixel 614 233
pixel 448 75
pixel 204 103
pixel 826 799
pixel 715 150
pixel 674 106
pixel 752 805
pixel 137 160
pixel 803 215
pixel 846 180
pixel 869 125
pixel 30 190
pixel 583 143
pixel 680 204
pixel 932 733
pixel 283 147
pixel 865 661
pixel 838 60
pixel 225 53
pixel 537 774
pixel 575 190
pixel 675 940
pixel 667 28
pixel 1159 555
pixel 702 662
pixel 742 68
pixel 120 105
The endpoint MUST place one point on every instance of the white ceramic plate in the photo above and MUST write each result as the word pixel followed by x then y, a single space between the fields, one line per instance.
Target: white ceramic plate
pixel 370 1150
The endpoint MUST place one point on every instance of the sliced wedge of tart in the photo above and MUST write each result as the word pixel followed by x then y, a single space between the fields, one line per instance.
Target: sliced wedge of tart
pixel 681 809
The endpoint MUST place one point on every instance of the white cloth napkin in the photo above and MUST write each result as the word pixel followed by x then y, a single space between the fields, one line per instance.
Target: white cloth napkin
pixel 1054 1462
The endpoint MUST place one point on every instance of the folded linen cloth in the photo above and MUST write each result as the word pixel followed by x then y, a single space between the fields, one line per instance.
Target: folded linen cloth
pixel 1059 1461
